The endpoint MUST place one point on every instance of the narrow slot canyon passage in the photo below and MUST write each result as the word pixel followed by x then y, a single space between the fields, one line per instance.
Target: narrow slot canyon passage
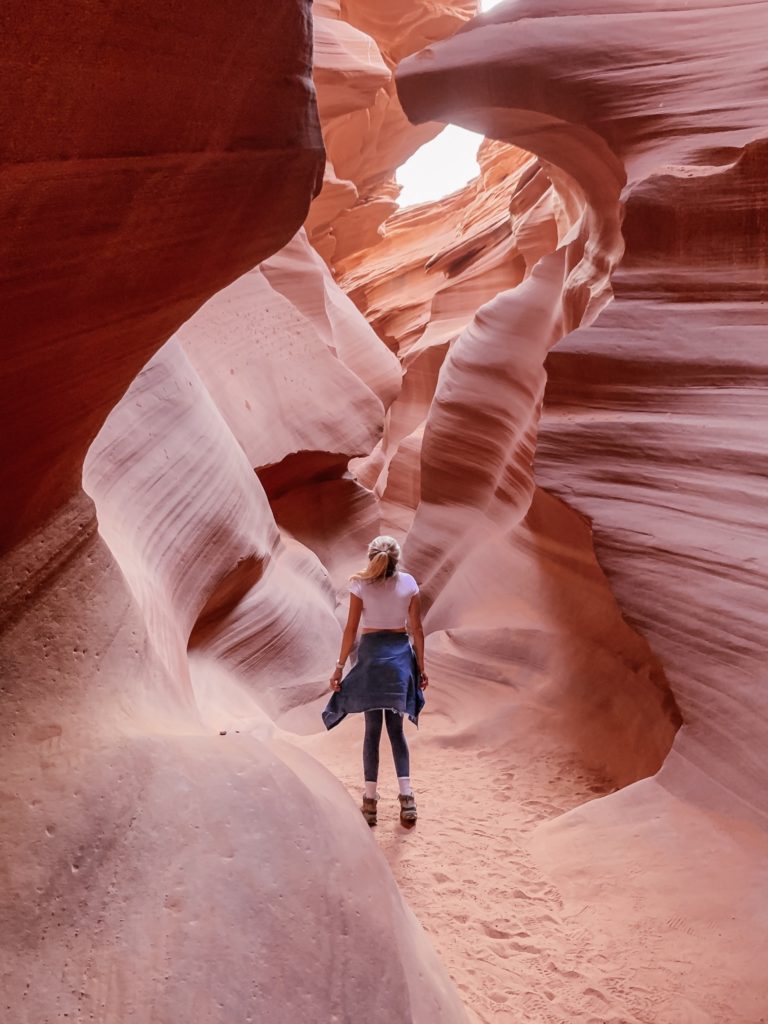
pixel 246 336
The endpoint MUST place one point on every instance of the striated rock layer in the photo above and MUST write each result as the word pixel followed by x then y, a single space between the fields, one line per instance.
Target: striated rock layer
pixel 178 856
pixel 422 282
pixel 454 477
pixel 651 426
pixel 682 286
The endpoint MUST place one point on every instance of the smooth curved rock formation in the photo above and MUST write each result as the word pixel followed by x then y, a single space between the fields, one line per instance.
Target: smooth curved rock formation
pixel 162 873
pixel 651 425
pixel 198 544
pixel 454 475
pixel 243 386
pixel 675 281
pixel 270 370
pixel 496 556
pixel 164 853
pixel 422 282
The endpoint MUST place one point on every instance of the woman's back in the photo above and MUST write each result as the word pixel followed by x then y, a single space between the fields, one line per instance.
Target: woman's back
pixel 385 601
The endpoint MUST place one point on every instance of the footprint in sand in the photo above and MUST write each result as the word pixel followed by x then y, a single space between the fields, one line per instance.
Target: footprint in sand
pixel 593 993
pixel 523 947
pixel 498 997
pixel 494 933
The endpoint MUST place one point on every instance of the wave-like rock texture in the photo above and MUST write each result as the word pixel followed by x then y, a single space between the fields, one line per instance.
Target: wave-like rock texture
pixel 270 365
pixel 420 285
pixel 651 426
pixel 243 389
pixel 149 654
pixel 165 855
pixel 192 530
pixel 452 472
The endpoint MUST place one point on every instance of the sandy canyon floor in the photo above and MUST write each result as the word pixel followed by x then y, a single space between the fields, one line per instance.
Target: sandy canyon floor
pixel 517 950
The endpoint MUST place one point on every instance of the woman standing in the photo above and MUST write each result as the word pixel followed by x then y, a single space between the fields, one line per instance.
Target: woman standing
pixel 388 677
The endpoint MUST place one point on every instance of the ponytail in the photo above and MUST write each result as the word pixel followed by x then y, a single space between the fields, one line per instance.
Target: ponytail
pixel 383 556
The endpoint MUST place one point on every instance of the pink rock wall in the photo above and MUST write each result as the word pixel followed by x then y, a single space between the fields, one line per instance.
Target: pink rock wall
pixel 651 428
pixel 422 282
pixel 197 539
pixel 151 870
pixel 181 858
pixel 689 286
pixel 245 385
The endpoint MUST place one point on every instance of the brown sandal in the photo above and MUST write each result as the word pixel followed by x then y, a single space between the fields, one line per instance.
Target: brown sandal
pixel 407 810
pixel 369 810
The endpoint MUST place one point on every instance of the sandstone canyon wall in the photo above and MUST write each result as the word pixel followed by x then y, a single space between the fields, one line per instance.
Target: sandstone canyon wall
pixel 547 384
pixel 358 44
pixel 504 569
pixel 166 855
pixel 135 183
pixel 689 289
pixel 652 422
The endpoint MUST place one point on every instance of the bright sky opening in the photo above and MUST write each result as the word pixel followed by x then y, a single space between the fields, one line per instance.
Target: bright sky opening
pixel 439 167
pixel 443 165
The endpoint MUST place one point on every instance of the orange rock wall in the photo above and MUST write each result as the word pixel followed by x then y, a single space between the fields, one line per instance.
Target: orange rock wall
pixel 453 471
pixel 592 302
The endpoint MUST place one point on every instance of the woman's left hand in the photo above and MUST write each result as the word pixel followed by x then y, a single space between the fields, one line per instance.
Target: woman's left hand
pixel 336 681
pixel 423 681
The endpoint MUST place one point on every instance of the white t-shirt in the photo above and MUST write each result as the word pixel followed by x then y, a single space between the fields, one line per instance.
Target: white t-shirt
pixel 385 602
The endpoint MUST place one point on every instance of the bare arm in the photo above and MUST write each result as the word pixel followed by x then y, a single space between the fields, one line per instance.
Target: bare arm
pixel 416 630
pixel 348 638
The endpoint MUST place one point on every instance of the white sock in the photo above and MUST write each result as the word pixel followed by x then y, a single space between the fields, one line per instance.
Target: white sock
pixel 370 791
pixel 405 786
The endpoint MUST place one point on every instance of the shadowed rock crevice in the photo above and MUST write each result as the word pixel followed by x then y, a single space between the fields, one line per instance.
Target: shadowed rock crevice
pixel 227 594
pixel 301 469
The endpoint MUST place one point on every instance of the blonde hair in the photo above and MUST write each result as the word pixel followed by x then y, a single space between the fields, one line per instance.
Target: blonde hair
pixel 383 557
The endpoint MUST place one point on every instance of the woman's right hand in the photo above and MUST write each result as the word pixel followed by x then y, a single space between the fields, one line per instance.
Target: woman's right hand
pixel 423 681
pixel 336 681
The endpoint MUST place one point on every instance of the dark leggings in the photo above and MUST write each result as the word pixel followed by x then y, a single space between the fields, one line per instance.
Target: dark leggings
pixel 396 738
